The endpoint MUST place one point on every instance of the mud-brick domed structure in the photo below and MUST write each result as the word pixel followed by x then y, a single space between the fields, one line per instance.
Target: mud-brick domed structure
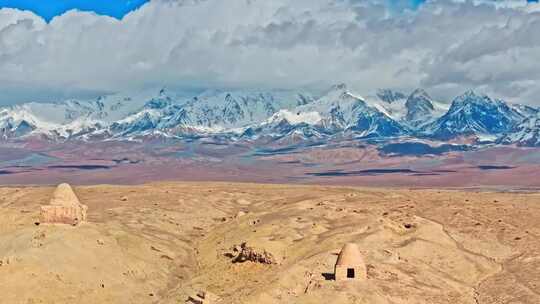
pixel 350 264
pixel 64 208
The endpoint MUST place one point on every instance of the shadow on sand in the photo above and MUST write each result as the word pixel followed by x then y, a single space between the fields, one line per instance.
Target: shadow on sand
pixel 328 276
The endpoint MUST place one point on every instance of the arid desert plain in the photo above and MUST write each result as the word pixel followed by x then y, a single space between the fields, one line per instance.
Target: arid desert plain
pixel 166 242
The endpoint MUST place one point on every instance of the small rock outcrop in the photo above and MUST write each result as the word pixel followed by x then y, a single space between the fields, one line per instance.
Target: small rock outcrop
pixel 203 297
pixel 64 208
pixel 5 261
pixel 240 214
pixel 242 253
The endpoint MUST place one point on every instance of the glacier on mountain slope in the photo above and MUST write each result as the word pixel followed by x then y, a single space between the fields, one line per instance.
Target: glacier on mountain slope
pixel 412 110
pixel 526 133
pixel 310 118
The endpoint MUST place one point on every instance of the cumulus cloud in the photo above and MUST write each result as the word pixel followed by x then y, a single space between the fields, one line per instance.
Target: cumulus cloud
pixel 445 47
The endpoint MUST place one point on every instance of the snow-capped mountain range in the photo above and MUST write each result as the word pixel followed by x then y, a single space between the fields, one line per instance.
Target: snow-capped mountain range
pixel 274 114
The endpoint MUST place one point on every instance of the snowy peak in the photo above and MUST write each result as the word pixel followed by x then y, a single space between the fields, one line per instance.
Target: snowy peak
pixel 481 106
pixel 342 110
pixel 143 121
pixel 390 96
pixel 419 107
pixel 472 114
pixel 19 121
pixel 469 96
pixel 339 110
pixel 335 93
pixel 12 129
pixel 419 94
pixel 412 111
pixel 340 87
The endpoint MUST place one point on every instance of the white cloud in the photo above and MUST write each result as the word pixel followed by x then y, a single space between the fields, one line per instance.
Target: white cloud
pixel 445 47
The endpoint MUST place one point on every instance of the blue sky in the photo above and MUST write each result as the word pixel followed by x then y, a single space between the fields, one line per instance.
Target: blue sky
pixel 51 8
pixel 48 9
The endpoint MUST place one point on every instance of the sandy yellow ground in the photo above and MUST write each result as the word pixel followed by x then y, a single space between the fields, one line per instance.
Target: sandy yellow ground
pixel 168 240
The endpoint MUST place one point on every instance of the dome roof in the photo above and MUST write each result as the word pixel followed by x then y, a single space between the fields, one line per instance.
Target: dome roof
pixel 64 196
pixel 349 255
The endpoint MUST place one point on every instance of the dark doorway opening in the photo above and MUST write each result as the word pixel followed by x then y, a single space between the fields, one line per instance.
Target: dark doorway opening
pixel 350 273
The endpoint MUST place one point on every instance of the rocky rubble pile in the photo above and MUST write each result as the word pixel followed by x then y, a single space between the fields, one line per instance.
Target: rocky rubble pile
pixel 242 253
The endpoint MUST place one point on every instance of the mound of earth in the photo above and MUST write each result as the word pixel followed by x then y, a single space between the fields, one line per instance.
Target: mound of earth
pixel 169 241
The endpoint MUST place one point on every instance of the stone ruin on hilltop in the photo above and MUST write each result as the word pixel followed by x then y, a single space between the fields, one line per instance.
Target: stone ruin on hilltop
pixel 64 208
